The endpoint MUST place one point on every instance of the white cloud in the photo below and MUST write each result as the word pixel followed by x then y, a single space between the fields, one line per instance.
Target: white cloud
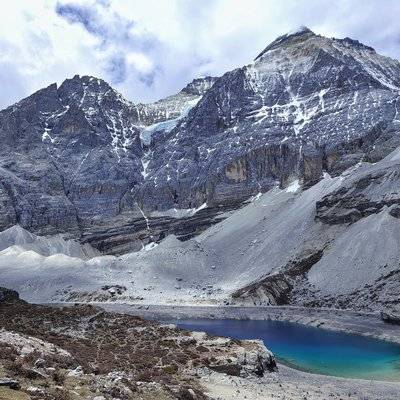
pixel 148 49
pixel 139 61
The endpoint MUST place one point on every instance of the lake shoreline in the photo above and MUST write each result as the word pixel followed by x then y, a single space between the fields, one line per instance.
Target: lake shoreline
pixel 292 384
pixel 287 383
pixel 353 322
pixel 310 349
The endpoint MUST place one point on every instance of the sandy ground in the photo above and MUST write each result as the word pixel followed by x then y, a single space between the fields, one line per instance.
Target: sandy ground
pixel 291 384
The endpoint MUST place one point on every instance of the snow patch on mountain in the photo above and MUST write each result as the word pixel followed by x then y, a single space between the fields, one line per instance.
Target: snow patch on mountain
pixel 166 126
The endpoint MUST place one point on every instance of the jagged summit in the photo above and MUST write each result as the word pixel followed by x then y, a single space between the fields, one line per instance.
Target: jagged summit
pixel 78 81
pixel 80 88
pixel 199 86
pixel 299 34
pixel 349 42
pixel 306 36
pixel 300 30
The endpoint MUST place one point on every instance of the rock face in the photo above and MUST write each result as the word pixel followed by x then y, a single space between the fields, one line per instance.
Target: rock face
pixel 79 159
pixel 257 361
pixel 366 193
pixel 74 155
pixel 277 249
pixel 123 235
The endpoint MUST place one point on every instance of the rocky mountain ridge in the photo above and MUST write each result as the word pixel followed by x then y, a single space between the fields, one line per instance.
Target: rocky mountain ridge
pixel 81 160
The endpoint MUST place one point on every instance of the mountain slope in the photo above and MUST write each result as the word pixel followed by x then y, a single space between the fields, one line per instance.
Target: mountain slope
pixel 275 250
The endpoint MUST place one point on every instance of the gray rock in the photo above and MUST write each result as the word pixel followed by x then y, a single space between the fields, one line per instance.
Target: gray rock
pixel 394 210
pixel 10 383
pixel 257 362
pixel 368 192
pixel 248 362
pixel 390 317
pixel 40 363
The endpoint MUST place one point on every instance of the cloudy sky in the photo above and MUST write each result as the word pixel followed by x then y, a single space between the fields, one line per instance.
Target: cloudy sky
pixel 148 49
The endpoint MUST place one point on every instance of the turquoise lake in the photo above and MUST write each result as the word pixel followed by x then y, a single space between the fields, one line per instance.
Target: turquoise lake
pixel 312 349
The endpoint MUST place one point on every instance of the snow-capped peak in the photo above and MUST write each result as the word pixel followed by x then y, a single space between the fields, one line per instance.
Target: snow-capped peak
pixel 301 31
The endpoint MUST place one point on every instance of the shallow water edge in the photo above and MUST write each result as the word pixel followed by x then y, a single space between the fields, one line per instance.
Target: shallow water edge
pixel 311 349
pixel 359 323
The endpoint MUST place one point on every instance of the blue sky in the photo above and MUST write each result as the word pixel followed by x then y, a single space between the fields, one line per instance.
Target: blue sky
pixel 148 49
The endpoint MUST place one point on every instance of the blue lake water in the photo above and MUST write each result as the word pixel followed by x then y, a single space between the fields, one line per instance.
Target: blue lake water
pixel 312 349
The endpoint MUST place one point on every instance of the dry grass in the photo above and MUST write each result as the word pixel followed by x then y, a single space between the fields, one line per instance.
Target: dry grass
pixel 8 394
pixel 59 376
pixel 100 342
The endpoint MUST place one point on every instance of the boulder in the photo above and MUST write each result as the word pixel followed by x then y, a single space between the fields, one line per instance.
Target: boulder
pixel 257 361
pixel 252 359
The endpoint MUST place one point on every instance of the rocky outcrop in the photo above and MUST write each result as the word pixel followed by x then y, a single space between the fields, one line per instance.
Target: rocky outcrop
pixel 10 383
pixel 248 362
pixel 390 317
pixel 368 192
pixel 276 288
pixel 257 362
pixel 112 237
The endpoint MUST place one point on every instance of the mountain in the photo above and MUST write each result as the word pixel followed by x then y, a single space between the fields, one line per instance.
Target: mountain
pixel 276 183
pixel 81 160
pixel 76 153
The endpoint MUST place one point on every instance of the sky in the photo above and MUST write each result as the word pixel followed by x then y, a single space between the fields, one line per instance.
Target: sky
pixel 149 49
